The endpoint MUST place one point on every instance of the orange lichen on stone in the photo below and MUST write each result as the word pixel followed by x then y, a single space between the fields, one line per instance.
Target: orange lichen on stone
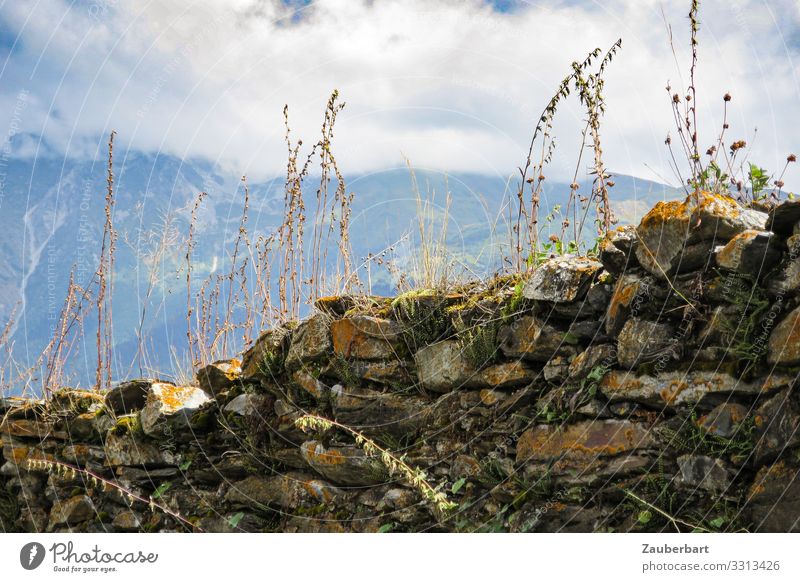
pixel 316 453
pixel 585 440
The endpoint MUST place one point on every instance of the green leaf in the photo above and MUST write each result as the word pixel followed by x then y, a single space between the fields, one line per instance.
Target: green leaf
pixel 163 488
pixel 234 520
pixel 386 528
pixel 458 485
pixel 185 465
pixel 644 516
pixel 717 522
pixel 571 338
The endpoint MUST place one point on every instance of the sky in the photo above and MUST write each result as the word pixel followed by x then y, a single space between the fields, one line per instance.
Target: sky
pixel 452 85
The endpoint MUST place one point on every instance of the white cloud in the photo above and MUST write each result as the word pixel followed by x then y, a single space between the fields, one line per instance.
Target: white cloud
pixel 450 84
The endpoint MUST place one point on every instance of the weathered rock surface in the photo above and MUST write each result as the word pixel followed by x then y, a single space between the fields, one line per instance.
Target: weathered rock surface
pixel 784 342
pixel 751 252
pixel 673 236
pixel 673 388
pixel 643 341
pixel 583 440
pixel 170 408
pixel 311 341
pixel 562 280
pixel 365 338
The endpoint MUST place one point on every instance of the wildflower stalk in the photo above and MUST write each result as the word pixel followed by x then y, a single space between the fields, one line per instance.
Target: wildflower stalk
pixel 415 476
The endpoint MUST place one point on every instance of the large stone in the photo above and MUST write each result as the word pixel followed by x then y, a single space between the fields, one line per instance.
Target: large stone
pixel 504 375
pixel 752 252
pixel 365 338
pixel 128 450
pixel 219 377
pixel 674 388
pixel 724 420
pixel 673 236
pixel 128 397
pixel 378 414
pixel 530 338
pixel 311 341
pixel 562 279
pixel 170 407
pixel 71 511
pixel 784 217
pixel 584 440
pixel 343 465
pixel 702 472
pixel 777 426
pixel 784 341
pixel 773 500
pixel 286 491
pixel 630 293
pixel 443 367
pixel 643 341
pixel 616 250
pixel 31 428
pixel 602 356
pixel 247 405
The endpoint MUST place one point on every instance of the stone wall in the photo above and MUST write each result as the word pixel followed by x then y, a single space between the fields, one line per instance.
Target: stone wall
pixel 650 388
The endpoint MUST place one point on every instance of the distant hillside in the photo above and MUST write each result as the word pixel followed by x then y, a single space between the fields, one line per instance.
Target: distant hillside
pixel 52 215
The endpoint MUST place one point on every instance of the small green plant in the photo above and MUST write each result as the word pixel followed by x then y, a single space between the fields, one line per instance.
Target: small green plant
pixel 479 344
pixel 234 520
pixel 423 316
pixel 395 466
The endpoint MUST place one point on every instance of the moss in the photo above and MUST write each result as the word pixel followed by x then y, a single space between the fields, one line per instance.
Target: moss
pixel 128 424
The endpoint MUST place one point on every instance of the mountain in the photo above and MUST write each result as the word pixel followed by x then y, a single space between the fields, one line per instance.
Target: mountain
pixel 52 216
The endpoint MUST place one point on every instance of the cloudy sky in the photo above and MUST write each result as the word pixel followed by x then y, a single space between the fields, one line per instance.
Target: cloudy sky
pixel 452 84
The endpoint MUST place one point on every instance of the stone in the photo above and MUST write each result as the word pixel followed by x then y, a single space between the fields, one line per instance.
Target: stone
pixel 31 428
pixel 773 500
pixel 311 341
pixel 127 521
pixel 705 473
pixel 616 250
pixel 126 450
pixel 366 338
pixel 777 427
pixel 128 397
pixel 170 407
pixel 392 372
pixel 266 356
pixel 443 367
pixel 674 388
pixel 630 293
pixel 562 280
pixel 674 235
pixel 724 420
pixel 287 491
pixel 642 341
pixel 343 465
pixel 69 402
pixel 504 376
pixel 219 377
pixel 71 511
pixel 601 355
pixel 556 369
pixel 784 341
pixel 583 440
pixel 530 338
pixel 247 405
pixel 752 252
pixel 783 217
pixel 377 413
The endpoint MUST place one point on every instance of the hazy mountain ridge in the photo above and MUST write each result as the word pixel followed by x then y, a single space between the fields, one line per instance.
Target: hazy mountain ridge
pixel 52 216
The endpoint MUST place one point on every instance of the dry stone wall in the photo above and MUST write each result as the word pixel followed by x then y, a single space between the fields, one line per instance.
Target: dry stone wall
pixel 650 388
